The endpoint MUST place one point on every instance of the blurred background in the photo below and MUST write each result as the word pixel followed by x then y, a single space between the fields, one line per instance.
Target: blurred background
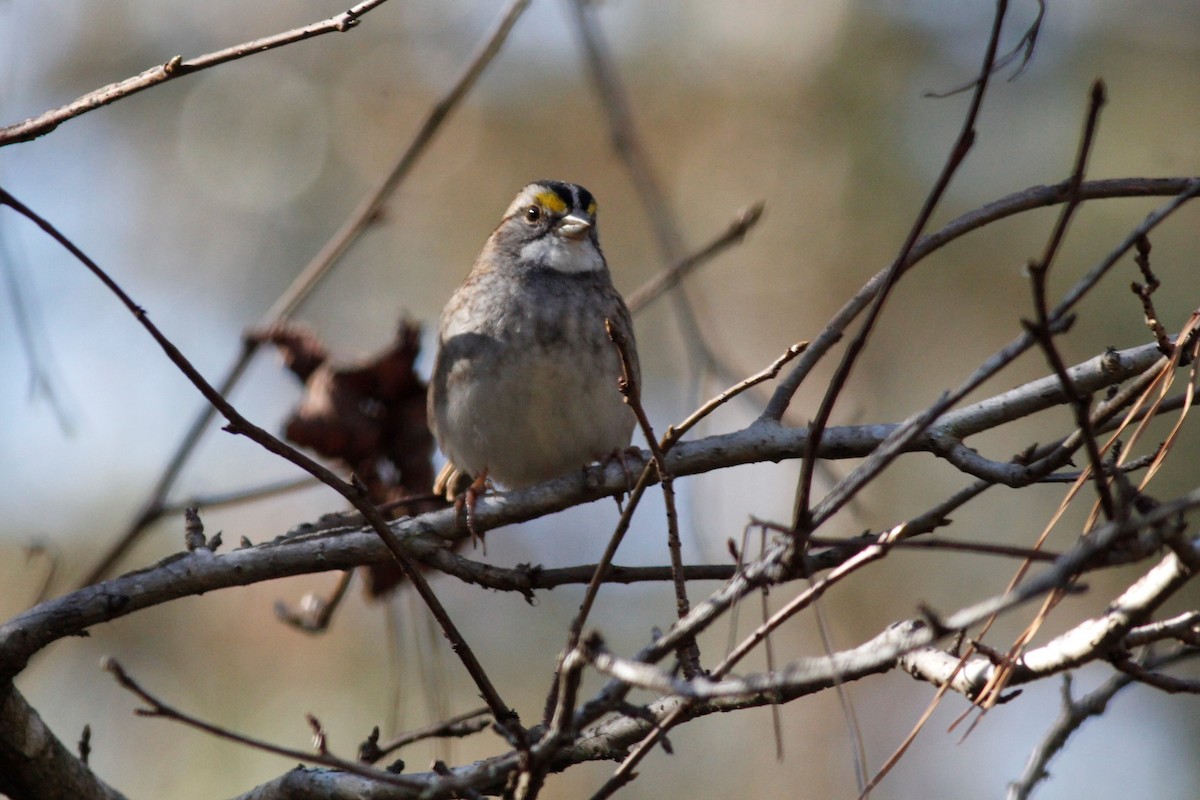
pixel 205 196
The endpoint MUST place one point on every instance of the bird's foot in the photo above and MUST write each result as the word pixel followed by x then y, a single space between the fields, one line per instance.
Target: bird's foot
pixel 466 502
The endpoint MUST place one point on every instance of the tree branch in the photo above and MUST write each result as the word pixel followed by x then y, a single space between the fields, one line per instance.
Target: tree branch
pixel 177 67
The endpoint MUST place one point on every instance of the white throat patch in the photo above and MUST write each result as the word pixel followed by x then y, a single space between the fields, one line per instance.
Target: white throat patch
pixel 564 255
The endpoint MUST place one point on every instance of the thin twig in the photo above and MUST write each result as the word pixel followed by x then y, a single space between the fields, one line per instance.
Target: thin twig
pixel 1127 468
pixel 1074 714
pixel 598 578
pixel 666 280
pixel 235 497
pixel 44 380
pixel 1184 627
pixel 1042 327
pixel 1145 294
pixel 689 653
pixel 676 432
pixel 157 708
pixel 764 609
pixel 604 571
pixel 457 726
pixel 1157 680
pixel 624 772
pixel 176 68
pixel 975 548
pixel 877 550
pixel 1023 50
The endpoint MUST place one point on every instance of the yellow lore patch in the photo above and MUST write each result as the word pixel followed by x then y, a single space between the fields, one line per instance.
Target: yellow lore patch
pixel 551 202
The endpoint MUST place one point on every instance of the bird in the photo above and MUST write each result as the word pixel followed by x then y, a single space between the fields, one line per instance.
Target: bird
pixel 525 382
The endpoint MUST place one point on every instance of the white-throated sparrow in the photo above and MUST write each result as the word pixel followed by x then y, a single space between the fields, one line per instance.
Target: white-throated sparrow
pixel 525 383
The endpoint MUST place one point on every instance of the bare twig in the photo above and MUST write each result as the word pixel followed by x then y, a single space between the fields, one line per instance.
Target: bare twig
pixel 1127 467
pixel 1022 50
pixel 1042 327
pixel 666 280
pixel 177 67
pixel 44 383
pixel 458 726
pixel 157 708
pixel 1145 294
pixel 803 600
pixel 1074 714
pixel 603 569
pixel 1184 627
pixel 238 496
pixel 1157 680
pixel 676 432
pixel 689 654
pixel 977 548
pixel 1153 589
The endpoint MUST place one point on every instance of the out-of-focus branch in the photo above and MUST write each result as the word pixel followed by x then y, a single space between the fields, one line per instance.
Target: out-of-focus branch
pixel 664 281
pixel 629 149
pixel 177 67
pixel 1074 714
pixel 250 494
pixel 44 381
pixel 459 725
pixel 1184 628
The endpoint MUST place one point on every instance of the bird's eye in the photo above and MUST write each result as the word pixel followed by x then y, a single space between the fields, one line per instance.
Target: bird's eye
pixel 533 214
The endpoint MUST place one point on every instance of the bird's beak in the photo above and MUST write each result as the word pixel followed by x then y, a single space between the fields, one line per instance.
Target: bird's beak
pixel 574 227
